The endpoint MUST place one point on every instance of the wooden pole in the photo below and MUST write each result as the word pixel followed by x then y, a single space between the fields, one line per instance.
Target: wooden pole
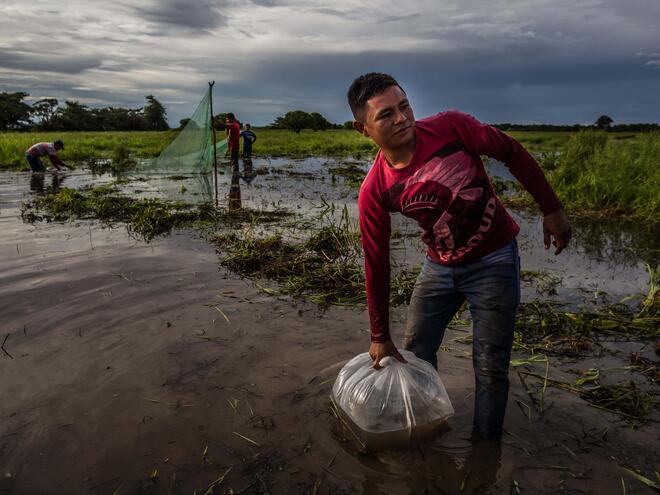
pixel 215 153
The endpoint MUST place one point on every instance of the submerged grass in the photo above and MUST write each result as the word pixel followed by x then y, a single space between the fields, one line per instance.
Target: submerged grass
pixel 325 268
pixel 144 218
pixel 544 327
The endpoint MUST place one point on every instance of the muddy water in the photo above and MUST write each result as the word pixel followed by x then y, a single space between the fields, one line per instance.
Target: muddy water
pixel 134 367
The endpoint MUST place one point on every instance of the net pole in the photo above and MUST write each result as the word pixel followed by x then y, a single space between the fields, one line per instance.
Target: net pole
pixel 215 153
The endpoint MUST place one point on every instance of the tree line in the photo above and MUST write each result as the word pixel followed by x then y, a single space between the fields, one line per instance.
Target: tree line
pixel 604 122
pixel 47 114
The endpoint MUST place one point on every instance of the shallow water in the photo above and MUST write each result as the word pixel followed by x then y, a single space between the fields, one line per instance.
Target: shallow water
pixel 123 358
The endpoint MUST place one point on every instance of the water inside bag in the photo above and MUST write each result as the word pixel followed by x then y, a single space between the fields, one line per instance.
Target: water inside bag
pixel 393 406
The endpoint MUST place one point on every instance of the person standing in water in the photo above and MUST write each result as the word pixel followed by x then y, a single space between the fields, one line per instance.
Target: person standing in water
pixel 233 131
pixel 36 151
pixel 430 170
pixel 249 138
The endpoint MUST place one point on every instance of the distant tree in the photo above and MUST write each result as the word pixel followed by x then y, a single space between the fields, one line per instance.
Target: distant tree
pixel 298 120
pixel 604 122
pixel 348 124
pixel 73 116
pixel 14 113
pixel 154 115
pixel 44 110
pixel 183 123
pixel 219 121
pixel 318 123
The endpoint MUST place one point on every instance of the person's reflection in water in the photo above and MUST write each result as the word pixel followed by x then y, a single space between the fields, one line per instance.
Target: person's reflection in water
pixel 235 191
pixel 469 468
pixel 248 171
pixel 481 466
pixel 38 183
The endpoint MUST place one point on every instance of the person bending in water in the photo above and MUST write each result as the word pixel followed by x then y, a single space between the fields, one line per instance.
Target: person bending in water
pixel 430 170
pixel 36 151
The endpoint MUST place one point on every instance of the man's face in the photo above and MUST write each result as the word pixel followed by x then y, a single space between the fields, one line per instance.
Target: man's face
pixel 388 119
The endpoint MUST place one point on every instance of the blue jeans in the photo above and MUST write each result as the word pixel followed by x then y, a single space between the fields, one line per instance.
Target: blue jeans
pixel 491 286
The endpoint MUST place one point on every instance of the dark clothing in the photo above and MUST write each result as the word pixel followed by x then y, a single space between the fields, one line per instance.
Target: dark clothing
pixel 491 286
pixel 233 153
pixel 249 137
pixel 35 163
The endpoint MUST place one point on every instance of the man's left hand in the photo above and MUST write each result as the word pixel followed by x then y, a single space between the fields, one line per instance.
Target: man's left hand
pixel 556 230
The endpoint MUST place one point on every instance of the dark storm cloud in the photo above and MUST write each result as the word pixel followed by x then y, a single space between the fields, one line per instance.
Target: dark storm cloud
pixel 494 90
pixel 37 62
pixel 199 14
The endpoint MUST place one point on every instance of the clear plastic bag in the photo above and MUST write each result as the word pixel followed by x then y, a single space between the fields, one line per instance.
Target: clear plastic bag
pixel 391 406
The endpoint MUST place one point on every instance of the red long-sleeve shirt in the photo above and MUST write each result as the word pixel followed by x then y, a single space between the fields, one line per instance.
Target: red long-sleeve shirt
pixel 445 188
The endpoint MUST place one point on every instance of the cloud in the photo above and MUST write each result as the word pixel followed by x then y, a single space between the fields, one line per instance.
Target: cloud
pixel 547 60
pixel 197 15
pixel 40 62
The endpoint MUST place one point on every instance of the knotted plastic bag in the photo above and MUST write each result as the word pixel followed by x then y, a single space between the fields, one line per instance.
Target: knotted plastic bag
pixel 392 406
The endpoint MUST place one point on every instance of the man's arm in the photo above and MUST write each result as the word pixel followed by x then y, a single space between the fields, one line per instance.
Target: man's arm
pixel 55 160
pixel 487 140
pixel 375 229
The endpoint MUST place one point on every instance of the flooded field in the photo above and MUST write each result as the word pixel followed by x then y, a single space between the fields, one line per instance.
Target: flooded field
pixel 131 367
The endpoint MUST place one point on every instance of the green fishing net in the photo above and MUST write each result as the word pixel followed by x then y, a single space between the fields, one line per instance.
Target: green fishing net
pixel 190 155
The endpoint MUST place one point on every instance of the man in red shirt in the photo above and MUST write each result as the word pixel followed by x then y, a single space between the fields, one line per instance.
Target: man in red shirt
pixel 233 132
pixel 431 171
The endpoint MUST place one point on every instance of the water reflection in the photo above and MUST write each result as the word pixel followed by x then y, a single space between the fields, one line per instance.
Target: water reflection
pixel 617 240
pixel 234 201
pixel 248 171
pixel 38 183
pixel 469 468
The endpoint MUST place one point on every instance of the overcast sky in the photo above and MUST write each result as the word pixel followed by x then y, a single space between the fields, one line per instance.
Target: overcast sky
pixel 522 61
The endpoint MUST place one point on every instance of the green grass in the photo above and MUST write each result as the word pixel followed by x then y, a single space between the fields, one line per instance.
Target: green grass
pixel 610 174
pixel 604 175
pixel 614 177
pixel 81 147
pixel 144 218
pixel 86 147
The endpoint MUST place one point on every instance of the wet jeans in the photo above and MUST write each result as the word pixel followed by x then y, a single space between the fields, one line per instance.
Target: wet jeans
pixel 491 286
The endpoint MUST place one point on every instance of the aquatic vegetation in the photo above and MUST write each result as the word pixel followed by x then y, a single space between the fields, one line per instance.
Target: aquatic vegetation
pixel 145 218
pixel 326 268
pixel 544 327
pixel 597 174
pixel 352 173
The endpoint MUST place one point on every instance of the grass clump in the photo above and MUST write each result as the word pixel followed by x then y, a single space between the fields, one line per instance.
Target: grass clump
pixel 353 174
pixel 597 174
pixel 326 268
pixel 544 327
pixel 145 218
pixel 615 177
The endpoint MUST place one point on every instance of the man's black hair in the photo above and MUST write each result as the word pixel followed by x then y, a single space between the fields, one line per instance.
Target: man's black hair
pixel 366 86
pixel 59 143
pixel 231 117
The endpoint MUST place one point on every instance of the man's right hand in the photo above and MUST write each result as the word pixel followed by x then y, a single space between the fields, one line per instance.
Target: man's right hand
pixel 378 351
